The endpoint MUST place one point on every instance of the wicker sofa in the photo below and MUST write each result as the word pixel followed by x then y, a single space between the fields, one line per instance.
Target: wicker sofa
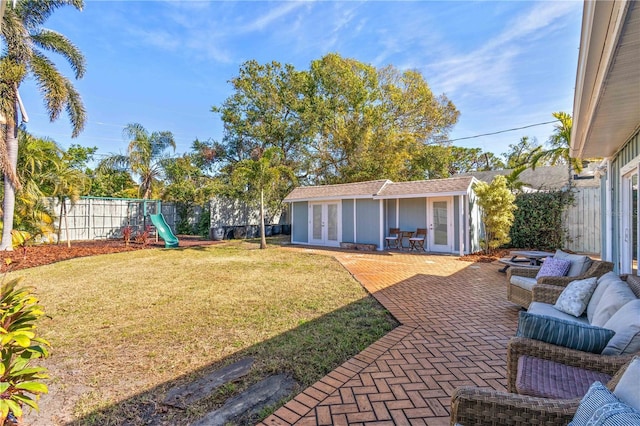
pixel 519 291
pixel 482 406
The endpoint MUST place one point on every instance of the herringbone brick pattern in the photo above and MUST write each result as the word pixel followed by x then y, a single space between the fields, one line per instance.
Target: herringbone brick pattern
pixel 455 325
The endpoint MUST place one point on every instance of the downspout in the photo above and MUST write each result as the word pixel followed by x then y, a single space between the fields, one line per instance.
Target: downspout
pixel 381 222
pixel 608 214
pixel 461 224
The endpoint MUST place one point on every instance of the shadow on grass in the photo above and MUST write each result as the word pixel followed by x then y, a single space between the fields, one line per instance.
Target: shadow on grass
pixel 306 353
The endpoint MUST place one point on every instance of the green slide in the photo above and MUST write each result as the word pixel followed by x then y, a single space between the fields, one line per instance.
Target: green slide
pixel 170 240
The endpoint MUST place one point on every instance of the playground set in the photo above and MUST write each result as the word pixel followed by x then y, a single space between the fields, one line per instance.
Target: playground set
pixel 151 209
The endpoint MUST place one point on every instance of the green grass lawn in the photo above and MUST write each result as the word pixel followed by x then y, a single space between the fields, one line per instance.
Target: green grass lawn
pixel 127 327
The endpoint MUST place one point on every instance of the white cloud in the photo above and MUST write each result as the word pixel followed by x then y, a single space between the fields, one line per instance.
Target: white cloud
pixel 489 70
pixel 272 16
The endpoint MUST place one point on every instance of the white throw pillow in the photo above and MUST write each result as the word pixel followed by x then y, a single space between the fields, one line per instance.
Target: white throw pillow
pixel 575 296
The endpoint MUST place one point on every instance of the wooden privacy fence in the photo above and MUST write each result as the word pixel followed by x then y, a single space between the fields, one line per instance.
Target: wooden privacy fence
pixel 94 218
pixel 582 221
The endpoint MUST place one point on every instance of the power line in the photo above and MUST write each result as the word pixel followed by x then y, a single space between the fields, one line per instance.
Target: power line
pixel 502 131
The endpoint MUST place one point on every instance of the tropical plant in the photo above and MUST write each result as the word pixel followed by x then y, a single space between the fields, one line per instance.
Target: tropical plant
pixel 69 184
pixel 496 204
pixel 560 146
pixel 38 163
pixel 144 157
pixel 20 381
pixel 261 175
pixel 26 42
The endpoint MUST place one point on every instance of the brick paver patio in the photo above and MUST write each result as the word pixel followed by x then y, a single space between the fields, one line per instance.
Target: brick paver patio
pixel 455 324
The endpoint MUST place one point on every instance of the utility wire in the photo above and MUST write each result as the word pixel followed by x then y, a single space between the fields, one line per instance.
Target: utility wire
pixel 502 131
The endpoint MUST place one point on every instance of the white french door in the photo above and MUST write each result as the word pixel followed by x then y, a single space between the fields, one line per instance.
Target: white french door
pixel 440 222
pixel 324 224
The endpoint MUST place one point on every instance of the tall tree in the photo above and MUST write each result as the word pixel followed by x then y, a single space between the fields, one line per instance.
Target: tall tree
pixel 340 121
pixel 145 154
pixel 258 176
pixel 559 146
pixel 521 153
pixel 38 162
pixel 69 184
pixel 188 186
pixel 26 42
pixel 371 122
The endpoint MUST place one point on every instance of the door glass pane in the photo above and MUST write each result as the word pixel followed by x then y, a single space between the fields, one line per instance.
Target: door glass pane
pixel 332 222
pixel 440 223
pixel 317 221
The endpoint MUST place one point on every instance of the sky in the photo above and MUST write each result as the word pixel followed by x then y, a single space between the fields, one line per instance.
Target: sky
pixel 165 64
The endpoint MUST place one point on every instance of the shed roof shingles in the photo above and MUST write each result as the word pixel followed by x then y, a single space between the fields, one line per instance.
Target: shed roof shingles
pixel 344 190
pixel 381 188
pixel 423 187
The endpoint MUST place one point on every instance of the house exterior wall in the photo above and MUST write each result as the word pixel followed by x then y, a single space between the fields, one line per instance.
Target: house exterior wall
pixel 368 225
pixel 347 221
pixel 456 224
pixel 390 214
pixel 629 152
pixel 300 222
pixel 413 213
pixel 475 223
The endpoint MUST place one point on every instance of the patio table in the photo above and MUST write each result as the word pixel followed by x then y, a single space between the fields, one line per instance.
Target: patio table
pixel 524 258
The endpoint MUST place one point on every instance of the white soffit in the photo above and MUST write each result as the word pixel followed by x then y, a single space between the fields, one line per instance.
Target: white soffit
pixel 607 106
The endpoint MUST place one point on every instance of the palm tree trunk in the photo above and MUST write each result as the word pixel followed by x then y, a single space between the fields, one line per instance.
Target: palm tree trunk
pixel 263 239
pixel 9 202
pixel 60 223
pixel 66 222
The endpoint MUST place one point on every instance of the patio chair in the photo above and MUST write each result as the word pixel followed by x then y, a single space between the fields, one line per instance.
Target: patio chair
pixel 417 241
pixel 475 406
pixel 525 355
pixel 520 281
pixel 393 240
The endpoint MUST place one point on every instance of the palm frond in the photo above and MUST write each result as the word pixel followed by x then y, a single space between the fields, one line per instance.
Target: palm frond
pixel 35 12
pixel 19 47
pixel 51 83
pixel 118 162
pixel 56 42
pixel 75 109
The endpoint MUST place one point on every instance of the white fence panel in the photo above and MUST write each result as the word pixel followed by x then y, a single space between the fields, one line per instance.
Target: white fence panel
pixel 582 221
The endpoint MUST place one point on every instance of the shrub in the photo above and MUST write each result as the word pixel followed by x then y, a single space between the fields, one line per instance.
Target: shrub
pixel 538 221
pixel 20 382
pixel 496 204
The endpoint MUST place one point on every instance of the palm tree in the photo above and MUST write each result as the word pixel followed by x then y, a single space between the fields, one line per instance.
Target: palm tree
pixel 38 161
pixel 560 142
pixel 26 43
pixel 258 175
pixel 69 183
pixel 144 158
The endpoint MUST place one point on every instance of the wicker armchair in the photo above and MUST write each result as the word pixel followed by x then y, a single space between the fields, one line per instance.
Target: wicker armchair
pixel 481 406
pixel 522 296
pixel 518 346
